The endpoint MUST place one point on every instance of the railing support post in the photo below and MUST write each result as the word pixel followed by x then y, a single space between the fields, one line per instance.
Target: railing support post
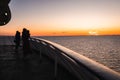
pixel 55 73
pixel 40 53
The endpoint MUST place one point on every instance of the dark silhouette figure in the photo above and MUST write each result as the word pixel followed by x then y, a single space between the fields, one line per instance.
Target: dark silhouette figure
pixel 25 42
pixel 17 40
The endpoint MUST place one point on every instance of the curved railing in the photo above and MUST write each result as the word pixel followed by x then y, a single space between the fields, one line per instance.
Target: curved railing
pixel 80 66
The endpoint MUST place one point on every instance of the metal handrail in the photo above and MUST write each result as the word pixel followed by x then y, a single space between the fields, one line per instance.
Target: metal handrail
pixel 82 67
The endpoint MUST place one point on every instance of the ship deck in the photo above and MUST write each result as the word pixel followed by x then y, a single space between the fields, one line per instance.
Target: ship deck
pixel 42 63
pixel 14 66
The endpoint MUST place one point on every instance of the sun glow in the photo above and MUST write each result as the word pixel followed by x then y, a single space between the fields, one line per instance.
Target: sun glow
pixel 93 33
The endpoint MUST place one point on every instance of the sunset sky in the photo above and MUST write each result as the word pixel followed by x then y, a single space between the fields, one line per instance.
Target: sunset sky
pixel 64 17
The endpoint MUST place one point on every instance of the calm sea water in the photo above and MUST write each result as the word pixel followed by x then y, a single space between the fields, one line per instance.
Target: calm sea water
pixel 103 49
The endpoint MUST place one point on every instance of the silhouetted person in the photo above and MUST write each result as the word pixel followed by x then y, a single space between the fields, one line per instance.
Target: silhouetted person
pixel 25 41
pixel 17 40
pixel 28 43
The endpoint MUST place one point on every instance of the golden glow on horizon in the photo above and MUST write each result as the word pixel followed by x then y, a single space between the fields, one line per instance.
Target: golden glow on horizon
pixel 41 31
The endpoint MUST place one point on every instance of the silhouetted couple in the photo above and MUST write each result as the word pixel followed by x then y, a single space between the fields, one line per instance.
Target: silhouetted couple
pixel 25 42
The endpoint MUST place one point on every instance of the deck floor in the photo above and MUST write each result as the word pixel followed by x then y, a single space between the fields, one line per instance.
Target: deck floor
pixel 14 66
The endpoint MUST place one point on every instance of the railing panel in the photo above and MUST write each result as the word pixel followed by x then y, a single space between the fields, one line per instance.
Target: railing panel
pixel 81 66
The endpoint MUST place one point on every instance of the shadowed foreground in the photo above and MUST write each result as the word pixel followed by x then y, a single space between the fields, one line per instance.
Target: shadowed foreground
pixel 13 66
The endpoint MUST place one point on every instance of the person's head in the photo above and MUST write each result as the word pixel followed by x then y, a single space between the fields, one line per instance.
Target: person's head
pixel 17 32
pixel 24 29
pixel 28 31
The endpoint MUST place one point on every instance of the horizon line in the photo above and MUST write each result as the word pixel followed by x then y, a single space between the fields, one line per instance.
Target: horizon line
pixel 68 35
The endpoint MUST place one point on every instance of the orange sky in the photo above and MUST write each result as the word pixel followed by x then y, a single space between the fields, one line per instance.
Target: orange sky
pixel 62 18
pixel 63 32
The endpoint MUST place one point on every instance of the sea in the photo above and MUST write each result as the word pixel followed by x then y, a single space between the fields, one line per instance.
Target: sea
pixel 102 49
